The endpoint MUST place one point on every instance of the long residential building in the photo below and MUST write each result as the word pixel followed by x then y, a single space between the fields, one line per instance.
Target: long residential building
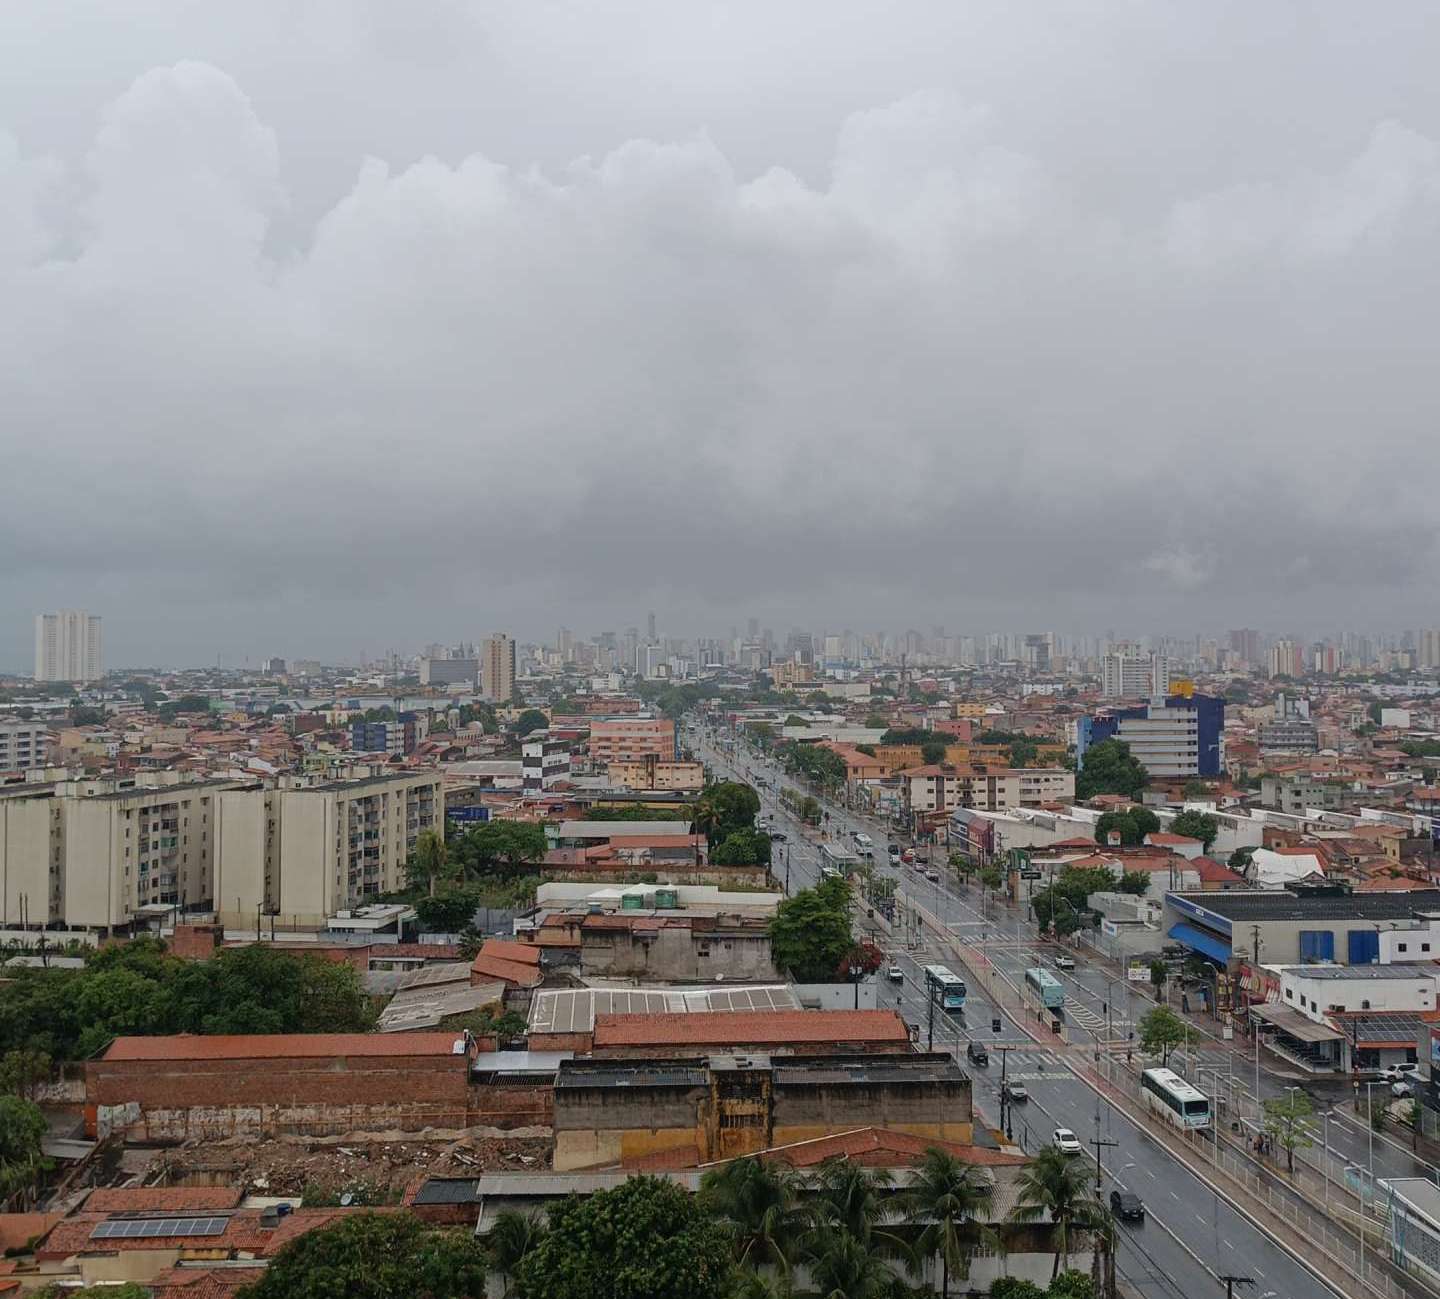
pixel 305 854
pixel 632 739
pixel 68 646
pixel 108 855
pixel 23 745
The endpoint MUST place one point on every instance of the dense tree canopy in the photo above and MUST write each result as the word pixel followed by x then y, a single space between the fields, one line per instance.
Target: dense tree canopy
pixel 811 933
pixel 813 762
pixel 932 743
pixel 1133 824
pixel 743 847
pixel 725 807
pixel 500 846
pixel 1197 825
pixel 532 719
pixel 1110 768
pixel 644 1239
pixel 448 911
pixel 376 1256
pixel 136 988
pixel 21 1127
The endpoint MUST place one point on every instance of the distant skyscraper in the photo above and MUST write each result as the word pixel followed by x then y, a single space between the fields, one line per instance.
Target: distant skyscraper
pixel 651 625
pixel 1127 673
pixel 497 668
pixel 1246 644
pixel 67 646
pixel 1286 659
pixel 1430 648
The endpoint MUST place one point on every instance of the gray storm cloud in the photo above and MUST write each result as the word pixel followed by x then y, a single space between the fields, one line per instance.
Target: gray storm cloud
pixel 938 375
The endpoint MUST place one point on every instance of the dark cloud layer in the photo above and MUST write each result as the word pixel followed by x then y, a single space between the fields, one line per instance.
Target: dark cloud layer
pixel 370 326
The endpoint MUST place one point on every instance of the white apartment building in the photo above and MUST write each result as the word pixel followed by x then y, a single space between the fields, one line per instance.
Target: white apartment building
pixel 67 646
pixel 1128 674
pixel 544 762
pixel 497 668
pixel 105 854
pixel 23 745
pixel 303 854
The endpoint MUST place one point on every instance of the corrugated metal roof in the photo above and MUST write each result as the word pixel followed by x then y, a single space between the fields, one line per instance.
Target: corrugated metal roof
pixel 573 1010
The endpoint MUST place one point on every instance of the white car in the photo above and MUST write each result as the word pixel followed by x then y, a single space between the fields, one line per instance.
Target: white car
pixel 1064 962
pixel 1396 1072
pixel 1066 1142
pixel 1401 1088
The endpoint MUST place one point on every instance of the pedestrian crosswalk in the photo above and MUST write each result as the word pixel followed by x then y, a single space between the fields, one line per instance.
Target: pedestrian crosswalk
pixel 1035 1066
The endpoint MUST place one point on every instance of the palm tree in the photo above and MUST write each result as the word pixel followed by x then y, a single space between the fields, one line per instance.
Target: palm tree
pixel 843 1267
pixel 1058 1187
pixel 759 1201
pixel 430 858
pixel 951 1197
pixel 849 1197
pixel 512 1237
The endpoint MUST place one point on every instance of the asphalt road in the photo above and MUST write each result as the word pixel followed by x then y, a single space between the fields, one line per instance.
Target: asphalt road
pixel 1190 1237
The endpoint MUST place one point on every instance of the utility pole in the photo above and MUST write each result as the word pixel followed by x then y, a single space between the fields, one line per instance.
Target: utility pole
pixel 1006 1109
pixel 930 1020
pixel 1232 1281
pixel 1099 1143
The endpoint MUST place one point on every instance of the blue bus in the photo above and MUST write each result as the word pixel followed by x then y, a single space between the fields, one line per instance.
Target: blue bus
pixel 1045 988
pixel 942 984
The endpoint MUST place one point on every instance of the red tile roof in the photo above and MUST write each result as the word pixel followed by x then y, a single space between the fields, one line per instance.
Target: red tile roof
pixel 204 1282
pixel 258 1046
pixel 524 953
pixel 522 976
pixel 243 1235
pixel 17 1230
pixel 1167 840
pixel 161 1199
pixel 887 1148
pixel 1213 872
pixel 751 1028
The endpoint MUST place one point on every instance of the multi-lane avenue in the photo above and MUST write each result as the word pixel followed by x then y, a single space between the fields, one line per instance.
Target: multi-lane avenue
pixel 1191 1237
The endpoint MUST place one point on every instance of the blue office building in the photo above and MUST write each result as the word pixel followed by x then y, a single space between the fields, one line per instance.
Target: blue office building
pixel 1180 736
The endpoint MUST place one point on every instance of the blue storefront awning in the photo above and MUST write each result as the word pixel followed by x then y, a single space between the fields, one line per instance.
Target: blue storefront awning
pixel 1217 949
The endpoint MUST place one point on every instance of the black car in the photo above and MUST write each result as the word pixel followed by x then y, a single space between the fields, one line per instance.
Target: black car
pixel 777 836
pixel 977 1054
pixel 1127 1205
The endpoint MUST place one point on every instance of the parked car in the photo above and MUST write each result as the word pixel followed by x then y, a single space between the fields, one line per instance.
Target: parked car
pixel 1395 1072
pixel 932 875
pixel 1402 1088
pixel 1063 962
pixel 1016 1093
pixel 1127 1205
pixel 976 1053
pixel 894 856
pixel 1066 1142
pixel 897 975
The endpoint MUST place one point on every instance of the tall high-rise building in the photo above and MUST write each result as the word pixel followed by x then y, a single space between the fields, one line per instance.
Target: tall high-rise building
pixel 1287 659
pixel 1246 645
pixel 1127 673
pixel 67 646
pixel 1430 648
pixel 497 668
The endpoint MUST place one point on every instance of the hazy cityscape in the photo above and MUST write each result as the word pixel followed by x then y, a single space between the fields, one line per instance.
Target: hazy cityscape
pixel 674 652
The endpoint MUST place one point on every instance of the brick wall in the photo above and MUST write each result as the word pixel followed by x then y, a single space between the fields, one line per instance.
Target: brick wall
pixel 513 1105
pixel 188 1098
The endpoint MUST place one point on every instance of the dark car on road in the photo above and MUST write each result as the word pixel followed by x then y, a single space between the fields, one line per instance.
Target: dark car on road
pixel 777 836
pixel 1127 1206
pixel 977 1054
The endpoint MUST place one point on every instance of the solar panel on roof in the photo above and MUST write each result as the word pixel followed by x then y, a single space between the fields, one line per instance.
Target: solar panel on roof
pixel 145 1228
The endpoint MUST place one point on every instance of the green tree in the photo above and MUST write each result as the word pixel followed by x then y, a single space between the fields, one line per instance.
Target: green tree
pixel 875 722
pixel 1133 824
pixel 429 862
pixel 24 1070
pixel 1158 974
pixel 1073 1285
pixel 952 1199
pixel 1286 1120
pixel 185 704
pixel 847 1199
pixel 1014 1287
pixel 1057 1187
pixel 375 1256
pixel 1240 859
pixel 1196 788
pixel 810 933
pixel 723 808
pixel 1110 768
pixel 843 1267
pixel 1161 1030
pixel 532 719
pixel 125 1290
pixel 743 848
pixel 644 1239
pixel 760 1205
pixel 500 846
pixel 813 762
pixel 1134 882
pixel 22 1126
pixel 448 911
pixel 1197 825
pixel 512 1240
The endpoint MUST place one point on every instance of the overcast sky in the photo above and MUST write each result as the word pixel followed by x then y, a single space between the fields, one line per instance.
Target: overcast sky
pixel 340 326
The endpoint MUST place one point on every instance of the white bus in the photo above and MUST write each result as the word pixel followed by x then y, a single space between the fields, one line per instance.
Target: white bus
pixel 1171 1097
pixel 945 986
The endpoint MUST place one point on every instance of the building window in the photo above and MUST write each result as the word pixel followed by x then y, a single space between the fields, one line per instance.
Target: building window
pixel 1402 947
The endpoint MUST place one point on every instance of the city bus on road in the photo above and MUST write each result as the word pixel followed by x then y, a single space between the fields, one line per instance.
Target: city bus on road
pixel 945 986
pixel 1171 1097
pixel 837 863
pixel 1045 988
